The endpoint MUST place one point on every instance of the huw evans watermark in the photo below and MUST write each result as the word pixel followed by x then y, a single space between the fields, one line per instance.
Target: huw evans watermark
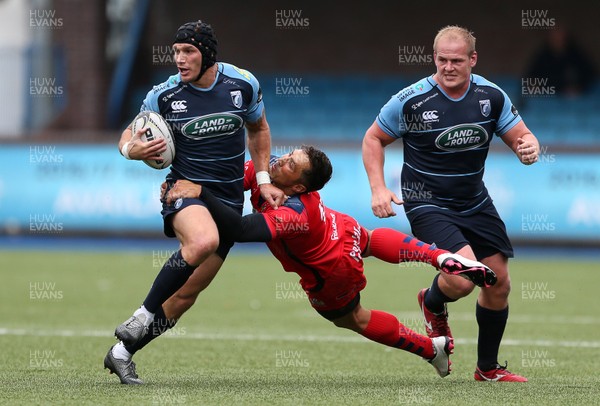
pixel 290 359
pixel 537 19
pixel 44 291
pixel 539 291
pixel 414 55
pixel 44 19
pixel 44 359
pixel 291 19
pixel 291 87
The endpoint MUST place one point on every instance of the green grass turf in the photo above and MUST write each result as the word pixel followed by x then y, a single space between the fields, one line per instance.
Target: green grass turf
pixel 252 338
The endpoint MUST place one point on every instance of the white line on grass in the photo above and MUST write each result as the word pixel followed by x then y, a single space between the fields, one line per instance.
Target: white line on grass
pixel 403 316
pixel 268 337
pixel 513 318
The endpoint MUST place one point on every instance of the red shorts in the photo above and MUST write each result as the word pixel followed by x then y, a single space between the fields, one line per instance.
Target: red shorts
pixel 346 278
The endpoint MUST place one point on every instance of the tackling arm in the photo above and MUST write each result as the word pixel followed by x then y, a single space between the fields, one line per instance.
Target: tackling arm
pixel 250 228
pixel 259 146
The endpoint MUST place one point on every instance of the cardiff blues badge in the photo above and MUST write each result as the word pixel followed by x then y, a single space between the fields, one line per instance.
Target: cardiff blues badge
pixel 236 98
pixel 486 107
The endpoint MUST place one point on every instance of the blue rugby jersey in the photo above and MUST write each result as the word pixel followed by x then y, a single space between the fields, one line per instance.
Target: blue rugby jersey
pixel 208 127
pixel 446 141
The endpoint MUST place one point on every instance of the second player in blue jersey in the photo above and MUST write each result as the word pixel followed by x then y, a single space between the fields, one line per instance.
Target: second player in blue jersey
pixel 446 122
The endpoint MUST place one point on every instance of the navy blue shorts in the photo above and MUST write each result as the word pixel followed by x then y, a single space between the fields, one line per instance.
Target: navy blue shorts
pixel 168 210
pixel 484 230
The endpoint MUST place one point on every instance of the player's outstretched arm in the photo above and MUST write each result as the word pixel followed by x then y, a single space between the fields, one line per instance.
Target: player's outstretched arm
pixel 259 146
pixel 238 228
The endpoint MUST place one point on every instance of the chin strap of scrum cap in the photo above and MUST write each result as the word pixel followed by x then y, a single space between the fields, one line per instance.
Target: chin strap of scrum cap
pixel 202 36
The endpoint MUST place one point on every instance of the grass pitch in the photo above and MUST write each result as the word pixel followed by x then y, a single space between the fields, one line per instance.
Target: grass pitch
pixel 252 338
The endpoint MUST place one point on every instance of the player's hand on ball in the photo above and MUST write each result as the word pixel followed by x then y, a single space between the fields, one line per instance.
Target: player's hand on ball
pixel 142 150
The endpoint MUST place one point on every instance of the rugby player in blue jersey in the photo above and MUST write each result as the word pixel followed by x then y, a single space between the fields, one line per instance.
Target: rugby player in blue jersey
pixel 209 105
pixel 446 122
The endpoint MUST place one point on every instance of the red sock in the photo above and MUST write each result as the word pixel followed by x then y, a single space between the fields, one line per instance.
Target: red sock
pixel 393 246
pixel 384 328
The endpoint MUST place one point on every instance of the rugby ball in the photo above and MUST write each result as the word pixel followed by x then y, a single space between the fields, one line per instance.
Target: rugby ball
pixel 155 127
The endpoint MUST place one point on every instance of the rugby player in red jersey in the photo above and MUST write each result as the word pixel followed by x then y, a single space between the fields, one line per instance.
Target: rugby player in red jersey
pixel 326 249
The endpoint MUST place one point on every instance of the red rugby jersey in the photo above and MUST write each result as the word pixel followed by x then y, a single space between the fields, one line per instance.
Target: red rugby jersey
pixel 306 235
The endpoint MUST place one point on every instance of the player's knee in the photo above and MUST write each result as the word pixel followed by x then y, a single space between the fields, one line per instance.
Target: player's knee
pixel 465 289
pixel 341 323
pixel 500 290
pixel 349 323
pixel 356 320
pixel 198 249
pixel 455 286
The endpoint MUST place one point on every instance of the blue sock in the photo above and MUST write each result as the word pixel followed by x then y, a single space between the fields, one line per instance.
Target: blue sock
pixel 173 275
pixel 491 329
pixel 435 298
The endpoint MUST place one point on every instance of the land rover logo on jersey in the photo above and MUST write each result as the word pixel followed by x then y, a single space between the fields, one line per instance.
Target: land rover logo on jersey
pixel 236 98
pixel 462 137
pixel 212 125
pixel 486 107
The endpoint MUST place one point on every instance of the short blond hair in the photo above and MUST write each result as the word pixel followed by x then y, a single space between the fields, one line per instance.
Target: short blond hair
pixel 456 32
